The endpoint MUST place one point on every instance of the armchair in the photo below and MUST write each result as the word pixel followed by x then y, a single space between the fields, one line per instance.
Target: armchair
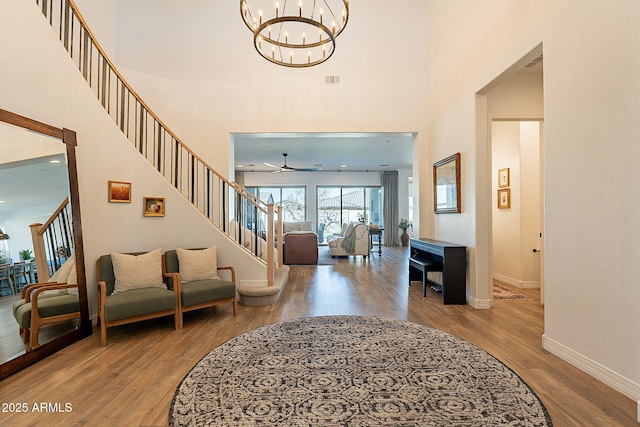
pixel 43 304
pixel 196 273
pixel 131 289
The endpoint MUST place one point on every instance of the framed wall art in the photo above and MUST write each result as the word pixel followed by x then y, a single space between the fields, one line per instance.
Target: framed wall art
pixel 119 192
pixel 503 178
pixel 154 206
pixel 504 198
pixel 446 185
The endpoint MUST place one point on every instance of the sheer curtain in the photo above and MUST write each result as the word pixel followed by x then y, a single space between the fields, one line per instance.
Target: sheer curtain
pixel 391 234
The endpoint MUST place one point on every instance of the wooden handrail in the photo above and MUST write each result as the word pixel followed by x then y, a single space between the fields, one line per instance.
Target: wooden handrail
pixel 53 216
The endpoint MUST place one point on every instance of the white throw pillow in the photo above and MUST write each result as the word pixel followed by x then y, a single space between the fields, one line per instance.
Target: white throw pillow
pixel 62 274
pixel 137 271
pixel 198 264
pixel 305 226
pixel 72 280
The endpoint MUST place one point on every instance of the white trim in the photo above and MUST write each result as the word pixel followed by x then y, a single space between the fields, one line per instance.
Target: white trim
pixel 596 370
pixel 530 284
pixel 481 304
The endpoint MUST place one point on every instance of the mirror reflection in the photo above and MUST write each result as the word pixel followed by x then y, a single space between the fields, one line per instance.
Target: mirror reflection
pixel 33 185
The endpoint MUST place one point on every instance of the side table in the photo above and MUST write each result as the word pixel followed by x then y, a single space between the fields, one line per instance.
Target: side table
pixel 376 232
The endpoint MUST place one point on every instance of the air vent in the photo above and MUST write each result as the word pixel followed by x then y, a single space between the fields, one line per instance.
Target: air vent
pixel 534 62
pixel 332 80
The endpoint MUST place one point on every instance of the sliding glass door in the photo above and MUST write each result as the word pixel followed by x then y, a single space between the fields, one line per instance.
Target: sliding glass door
pixel 340 205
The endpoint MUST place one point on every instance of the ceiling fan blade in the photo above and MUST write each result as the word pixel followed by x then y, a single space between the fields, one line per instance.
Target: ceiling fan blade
pixel 270 165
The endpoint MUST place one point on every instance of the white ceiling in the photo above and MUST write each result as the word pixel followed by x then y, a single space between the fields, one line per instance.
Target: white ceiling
pixel 32 188
pixel 329 151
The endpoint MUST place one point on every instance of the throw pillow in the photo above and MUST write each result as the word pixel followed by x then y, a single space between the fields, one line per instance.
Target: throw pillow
pixel 198 264
pixel 137 271
pixel 62 274
pixel 305 226
pixel 72 280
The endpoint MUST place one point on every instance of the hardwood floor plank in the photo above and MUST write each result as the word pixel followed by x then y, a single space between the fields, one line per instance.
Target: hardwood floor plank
pixel 132 380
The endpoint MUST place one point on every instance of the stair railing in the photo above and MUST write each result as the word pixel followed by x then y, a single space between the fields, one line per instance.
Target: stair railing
pixel 53 241
pixel 227 205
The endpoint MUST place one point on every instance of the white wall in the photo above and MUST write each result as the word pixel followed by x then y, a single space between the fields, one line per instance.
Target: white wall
pixel 591 157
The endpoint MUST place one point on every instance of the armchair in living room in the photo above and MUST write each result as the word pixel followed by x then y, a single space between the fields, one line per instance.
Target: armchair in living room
pixel 354 241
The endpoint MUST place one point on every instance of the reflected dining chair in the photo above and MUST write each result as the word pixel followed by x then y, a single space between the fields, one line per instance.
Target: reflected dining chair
pixel 20 276
pixel 33 271
pixel 5 277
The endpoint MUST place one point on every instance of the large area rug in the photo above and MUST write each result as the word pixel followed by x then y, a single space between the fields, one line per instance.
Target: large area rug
pixel 352 371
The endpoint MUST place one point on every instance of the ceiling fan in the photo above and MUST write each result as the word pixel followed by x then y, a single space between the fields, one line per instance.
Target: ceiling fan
pixel 285 168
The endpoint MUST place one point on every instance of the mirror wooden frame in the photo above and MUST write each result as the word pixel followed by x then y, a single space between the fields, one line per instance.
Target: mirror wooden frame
pixel 67 137
pixel 442 173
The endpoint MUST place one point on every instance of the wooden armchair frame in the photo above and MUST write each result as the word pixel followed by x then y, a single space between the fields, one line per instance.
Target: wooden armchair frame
pixel 30 295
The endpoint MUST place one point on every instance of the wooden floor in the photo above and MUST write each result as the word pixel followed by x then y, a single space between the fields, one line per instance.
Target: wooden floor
pixel 132 381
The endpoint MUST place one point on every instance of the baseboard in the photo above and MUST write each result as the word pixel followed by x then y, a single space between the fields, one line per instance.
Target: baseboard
pixel 596 370
pixel 480 304
pixel 521 284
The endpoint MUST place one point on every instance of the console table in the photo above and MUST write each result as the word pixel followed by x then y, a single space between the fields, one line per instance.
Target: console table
pixel 433 255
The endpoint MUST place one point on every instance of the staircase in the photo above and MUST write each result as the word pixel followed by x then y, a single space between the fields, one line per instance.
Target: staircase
pixel 244 219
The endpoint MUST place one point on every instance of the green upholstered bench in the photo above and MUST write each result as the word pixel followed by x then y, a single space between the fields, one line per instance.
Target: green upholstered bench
pixel 201 290
pixel 132 305
pixel 43 304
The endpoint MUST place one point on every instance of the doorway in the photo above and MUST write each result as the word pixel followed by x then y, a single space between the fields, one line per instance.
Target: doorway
pixel 515 95
pixel 517 214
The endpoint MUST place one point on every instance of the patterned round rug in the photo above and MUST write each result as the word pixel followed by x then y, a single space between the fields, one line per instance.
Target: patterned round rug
pixel 352 371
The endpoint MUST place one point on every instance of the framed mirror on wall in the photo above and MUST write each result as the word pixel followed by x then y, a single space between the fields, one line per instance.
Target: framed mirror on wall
pixel 39 170
pixel 446 185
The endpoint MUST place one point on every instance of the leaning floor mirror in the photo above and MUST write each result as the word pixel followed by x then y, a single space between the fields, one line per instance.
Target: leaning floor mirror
pixel 41 237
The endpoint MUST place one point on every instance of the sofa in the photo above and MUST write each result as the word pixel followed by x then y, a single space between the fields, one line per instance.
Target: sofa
pixel 300 243
pixel 354 240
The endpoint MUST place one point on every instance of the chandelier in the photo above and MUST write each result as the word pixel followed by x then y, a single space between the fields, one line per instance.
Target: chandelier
pixel 295 33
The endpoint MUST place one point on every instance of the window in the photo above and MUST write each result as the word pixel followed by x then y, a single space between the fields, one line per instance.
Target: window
pixel 292 200
pixel 339 205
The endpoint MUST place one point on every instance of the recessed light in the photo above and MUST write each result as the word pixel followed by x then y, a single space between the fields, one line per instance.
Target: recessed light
pixel 54 161
pixel 240 166
pixel 343 166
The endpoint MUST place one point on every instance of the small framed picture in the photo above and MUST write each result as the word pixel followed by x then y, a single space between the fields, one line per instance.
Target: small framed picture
pixel 503 178
pixel 154 206
pixel 119 192
pixel 504 198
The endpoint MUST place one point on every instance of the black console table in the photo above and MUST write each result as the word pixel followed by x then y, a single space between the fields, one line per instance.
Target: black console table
pixel 433 255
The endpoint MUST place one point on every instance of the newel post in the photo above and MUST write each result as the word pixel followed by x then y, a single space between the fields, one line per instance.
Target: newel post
pixel 271 274
pixel 280 238
pixel 39 253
